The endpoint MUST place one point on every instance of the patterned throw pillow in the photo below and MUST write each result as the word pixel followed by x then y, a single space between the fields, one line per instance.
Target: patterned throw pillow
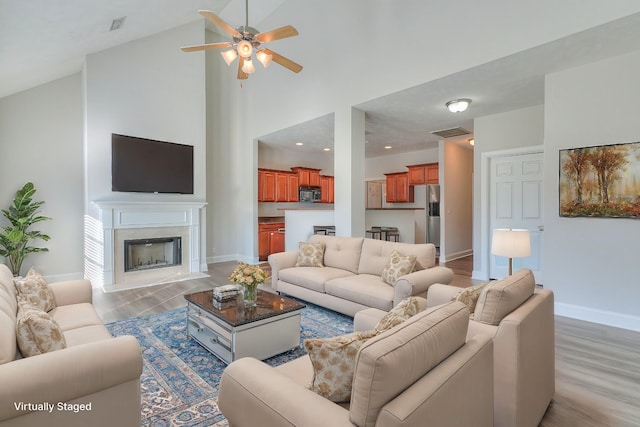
pixel 34 288
pixel 310 254
pixel 470 296
pixel 36 331
pixel 397 266
pixel 398 314
pixel 334 361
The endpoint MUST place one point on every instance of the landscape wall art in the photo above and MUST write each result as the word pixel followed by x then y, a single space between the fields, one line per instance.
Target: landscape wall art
pixel 600 181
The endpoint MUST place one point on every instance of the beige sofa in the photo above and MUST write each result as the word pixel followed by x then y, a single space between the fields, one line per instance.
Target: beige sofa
pixel 350 280
pixel 520 319
pixel 421 372
pixel 96 370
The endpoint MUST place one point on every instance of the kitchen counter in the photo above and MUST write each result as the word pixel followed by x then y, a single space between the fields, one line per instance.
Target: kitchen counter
pixel 270 219
pixel 395 209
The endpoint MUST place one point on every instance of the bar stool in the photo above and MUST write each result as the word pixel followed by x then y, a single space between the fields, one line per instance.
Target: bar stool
pixel 375 233
pixel 392 234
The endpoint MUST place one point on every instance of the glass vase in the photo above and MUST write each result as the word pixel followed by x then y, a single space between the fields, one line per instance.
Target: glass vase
pixel 250 294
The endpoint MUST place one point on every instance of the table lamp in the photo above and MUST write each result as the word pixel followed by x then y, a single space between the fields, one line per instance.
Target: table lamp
pixel 511 243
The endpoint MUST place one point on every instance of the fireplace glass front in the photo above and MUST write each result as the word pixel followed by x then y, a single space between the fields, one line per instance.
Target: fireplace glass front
pixel 145 254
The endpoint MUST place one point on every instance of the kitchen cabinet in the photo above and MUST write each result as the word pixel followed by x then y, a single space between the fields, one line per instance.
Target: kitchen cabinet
pixel 266 185
pixel 327 189
pixel 423 174
pixel 307 176
pixel 270 239
pixel 398 188
pixel 277 186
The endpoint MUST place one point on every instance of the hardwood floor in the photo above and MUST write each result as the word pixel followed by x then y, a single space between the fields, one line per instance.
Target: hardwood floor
pixel 597 367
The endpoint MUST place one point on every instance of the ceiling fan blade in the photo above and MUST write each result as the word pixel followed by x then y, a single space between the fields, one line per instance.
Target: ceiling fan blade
pixel 277 34
pixel 221 45
pixel 241 74
pixel 285 62
pixel 220 23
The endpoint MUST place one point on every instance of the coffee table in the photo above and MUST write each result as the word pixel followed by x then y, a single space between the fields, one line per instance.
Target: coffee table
pixel 230 330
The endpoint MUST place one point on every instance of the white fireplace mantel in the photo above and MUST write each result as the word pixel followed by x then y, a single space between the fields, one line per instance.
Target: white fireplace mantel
pixel 120 215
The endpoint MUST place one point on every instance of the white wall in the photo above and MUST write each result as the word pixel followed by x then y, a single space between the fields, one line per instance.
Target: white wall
pixel 498 133
pixel 41 142
pixel 456 202
pixel 151 89
pixel 376 167
pixel 334 79
pixel 591 263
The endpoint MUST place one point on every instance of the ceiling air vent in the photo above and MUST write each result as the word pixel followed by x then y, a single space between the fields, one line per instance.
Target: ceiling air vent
pixel 449 133
pixel 117 23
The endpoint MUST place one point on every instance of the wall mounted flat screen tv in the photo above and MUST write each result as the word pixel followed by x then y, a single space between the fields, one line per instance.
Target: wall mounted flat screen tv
pixel 146 166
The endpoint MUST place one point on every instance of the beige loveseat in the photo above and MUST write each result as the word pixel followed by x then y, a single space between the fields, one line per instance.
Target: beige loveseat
pixel 350 279
pixel 520 319
pixel 421 372
pixel 95 381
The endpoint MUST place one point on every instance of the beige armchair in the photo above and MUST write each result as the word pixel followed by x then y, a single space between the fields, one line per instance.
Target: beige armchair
pixel 520 319
pixel 417 371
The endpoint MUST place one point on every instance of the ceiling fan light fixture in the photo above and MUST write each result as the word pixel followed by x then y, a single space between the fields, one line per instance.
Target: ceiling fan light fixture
pixel 458 105
pixel 248 67
pixel 245 49
pixel 264 58
pixel 229 56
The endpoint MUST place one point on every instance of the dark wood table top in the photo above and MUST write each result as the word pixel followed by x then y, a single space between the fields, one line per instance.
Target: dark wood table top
pixel 234 311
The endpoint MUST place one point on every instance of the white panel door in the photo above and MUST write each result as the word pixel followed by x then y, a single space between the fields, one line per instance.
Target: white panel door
pixel 516 202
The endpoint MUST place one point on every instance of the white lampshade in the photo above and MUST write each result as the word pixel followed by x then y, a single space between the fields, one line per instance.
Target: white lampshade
pixel 511 243
pixel 229 55
pixel 248 67
pixel 244 49
pixel 458 105
pixel 264 58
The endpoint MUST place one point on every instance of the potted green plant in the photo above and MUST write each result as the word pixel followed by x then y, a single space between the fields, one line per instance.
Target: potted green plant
pixel 15 238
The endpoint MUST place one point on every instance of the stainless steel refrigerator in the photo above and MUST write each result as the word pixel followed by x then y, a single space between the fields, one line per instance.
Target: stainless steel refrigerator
pixel 433 214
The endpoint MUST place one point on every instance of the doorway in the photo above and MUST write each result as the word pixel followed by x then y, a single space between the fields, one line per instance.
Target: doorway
pixel 516 201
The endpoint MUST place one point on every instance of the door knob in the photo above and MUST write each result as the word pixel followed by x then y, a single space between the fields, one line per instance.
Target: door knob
pixel 541 228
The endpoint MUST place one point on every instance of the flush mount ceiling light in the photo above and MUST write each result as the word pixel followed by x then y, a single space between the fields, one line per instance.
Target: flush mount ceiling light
pixel 458 105
pixel 247 42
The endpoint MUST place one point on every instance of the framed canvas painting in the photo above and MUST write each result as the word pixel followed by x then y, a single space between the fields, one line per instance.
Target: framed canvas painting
pixel 600 181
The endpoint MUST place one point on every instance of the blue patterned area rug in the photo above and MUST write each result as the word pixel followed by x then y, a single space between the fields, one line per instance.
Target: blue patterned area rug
pixel 179 382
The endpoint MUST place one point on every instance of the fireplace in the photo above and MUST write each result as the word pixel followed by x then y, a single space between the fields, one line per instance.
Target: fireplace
pixel 145 254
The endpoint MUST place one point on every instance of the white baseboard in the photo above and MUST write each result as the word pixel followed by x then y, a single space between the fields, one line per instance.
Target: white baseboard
pixel 236 257
pixel 456 255
pixel 604 317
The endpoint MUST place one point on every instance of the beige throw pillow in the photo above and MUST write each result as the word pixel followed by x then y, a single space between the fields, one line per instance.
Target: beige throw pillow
pixel 470 296
pixel 333 361
pixel 501 297
pixel 310 254
pixel 34 289
pixel 405 309
pixel 397 266
pixel 36 331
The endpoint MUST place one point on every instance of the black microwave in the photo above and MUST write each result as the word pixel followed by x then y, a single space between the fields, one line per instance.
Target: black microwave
pixel 309 194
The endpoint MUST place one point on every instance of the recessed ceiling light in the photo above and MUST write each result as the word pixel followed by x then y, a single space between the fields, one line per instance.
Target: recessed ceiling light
pixel 327 149
pixel 387 147
pixel 299 143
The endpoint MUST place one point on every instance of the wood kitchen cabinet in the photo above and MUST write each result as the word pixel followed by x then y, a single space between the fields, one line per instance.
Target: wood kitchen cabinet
pixel 423 174
pixel 270 239
pixel 307 176
pixel 277 186
pixel 327 189
pixel 266 185
pixel 398 188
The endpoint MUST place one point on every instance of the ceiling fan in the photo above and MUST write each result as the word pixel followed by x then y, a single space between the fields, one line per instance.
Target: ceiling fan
pixel 246 41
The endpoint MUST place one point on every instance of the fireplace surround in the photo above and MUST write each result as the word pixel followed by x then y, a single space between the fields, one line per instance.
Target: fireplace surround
pixel 109 224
